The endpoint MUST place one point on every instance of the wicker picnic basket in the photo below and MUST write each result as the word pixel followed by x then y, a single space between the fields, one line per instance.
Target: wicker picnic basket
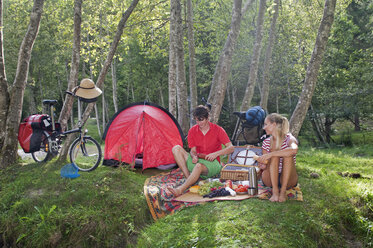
pixel 235 172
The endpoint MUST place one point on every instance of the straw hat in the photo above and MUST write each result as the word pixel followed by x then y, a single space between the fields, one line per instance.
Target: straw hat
pixel 87 89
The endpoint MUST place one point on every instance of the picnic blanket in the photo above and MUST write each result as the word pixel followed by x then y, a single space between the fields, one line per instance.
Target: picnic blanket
pixel 161 202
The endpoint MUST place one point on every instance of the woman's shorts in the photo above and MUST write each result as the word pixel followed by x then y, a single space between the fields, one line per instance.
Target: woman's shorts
pixel 213 167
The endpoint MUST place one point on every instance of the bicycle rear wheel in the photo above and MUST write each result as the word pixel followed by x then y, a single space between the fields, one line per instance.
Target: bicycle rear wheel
pixel 85 153
pixel 43 155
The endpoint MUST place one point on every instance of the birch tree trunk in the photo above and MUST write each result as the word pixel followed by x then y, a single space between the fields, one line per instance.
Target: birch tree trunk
pixel 65 113
pixel 4 93
pixel 182 91
pixel 114 81
pixel 313 67
pixel 268 56
pixel 223 68
pixel 104 70
pixel 192 62
pixel 172 61
pixel 249 92
pixel 16 93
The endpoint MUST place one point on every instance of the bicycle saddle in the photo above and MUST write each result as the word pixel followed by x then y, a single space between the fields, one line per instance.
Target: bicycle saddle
pixel 241 115
pixel 49 102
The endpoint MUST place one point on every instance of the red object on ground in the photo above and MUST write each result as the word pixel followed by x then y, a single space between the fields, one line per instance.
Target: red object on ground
pixel 143 130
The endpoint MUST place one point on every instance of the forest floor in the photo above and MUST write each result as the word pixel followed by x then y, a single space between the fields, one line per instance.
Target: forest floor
pixel 107 208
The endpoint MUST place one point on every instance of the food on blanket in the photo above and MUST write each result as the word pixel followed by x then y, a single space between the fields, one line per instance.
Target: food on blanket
pixel 194 189
pixel 228 183
pixel 216 193
pixel 206 188
pixel 242 188
pixel 231 191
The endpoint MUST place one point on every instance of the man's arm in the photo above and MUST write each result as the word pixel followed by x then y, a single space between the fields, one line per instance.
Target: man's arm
pixel 193 153
pixel 229 148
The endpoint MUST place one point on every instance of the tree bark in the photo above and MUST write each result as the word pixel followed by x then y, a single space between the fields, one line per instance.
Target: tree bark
pixel 67 107
pixel 65 113
pixel 223 68
pixel 104 70
pixel 249 92
pixel 172 76
pixel 182 91
pixel 268 56
pixel 109 57
pixel 192 62
pixel 4 92
pixel 313 67
pixel 114 81
pixel 13 118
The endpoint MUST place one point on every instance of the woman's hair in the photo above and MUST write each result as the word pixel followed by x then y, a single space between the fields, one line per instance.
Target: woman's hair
pixel 282 128
pixel 201 112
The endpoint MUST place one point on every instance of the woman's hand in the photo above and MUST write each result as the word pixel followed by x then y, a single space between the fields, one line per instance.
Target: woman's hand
pixel 262 166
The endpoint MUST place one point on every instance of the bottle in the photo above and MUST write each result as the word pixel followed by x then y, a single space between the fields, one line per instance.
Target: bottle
pixel 253 182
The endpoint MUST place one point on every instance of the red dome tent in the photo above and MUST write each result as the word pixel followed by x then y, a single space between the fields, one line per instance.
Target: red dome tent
pixel 142 130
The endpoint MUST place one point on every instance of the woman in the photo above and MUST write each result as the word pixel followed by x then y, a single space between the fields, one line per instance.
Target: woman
pixel 279 157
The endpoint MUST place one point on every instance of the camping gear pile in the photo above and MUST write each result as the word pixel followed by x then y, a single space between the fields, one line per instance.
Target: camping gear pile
pixel 249 126
pixel 31 131
pixel 144 134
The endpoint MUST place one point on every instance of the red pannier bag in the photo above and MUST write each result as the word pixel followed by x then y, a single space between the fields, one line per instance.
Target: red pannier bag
pixel 30 131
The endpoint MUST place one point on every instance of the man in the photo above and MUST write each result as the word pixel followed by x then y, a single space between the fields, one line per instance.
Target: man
pixel 205 140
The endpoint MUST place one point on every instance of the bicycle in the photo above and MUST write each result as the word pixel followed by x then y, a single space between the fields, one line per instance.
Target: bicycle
pixel 85 152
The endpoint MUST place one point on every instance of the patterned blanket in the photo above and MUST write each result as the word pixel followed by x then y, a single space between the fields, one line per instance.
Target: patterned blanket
pixel 161 202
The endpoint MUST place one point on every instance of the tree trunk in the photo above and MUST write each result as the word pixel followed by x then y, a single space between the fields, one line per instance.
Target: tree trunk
pixel 223 68
pixel 192 62
pixel 268 56
pixel 172 76
pixel 13 118
pixel 328 128
pixel 97 121
pixel 103 109
pixel 249 92
pixel 357 122
pixel 246 6
pixel 109 58
pixel 74 70
pixel 4 93
pixel 182 91
pixel 65 113
pixel 114 81
pixel 313 67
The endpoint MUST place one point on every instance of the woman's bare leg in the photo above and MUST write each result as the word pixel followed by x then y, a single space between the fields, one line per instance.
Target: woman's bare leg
pixel 266 177
pixel 273 172
pixel 289 177
pixel 194 176
pixel 181 157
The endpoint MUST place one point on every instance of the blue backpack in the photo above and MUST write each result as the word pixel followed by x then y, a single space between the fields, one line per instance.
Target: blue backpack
pixel 255 116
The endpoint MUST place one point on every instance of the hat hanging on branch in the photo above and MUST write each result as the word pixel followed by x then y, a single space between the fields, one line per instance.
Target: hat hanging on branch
pixel 87 90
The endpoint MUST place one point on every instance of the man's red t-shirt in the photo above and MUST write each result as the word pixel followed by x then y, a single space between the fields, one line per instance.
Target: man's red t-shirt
pixel 210 142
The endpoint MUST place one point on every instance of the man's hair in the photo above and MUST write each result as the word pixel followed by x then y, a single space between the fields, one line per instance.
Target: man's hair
pixel 201 112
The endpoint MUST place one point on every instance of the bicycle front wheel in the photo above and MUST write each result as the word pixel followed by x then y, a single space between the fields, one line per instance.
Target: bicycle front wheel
pixel 85 153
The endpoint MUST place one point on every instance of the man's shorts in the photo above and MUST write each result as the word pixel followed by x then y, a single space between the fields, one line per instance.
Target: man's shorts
pixel 213 167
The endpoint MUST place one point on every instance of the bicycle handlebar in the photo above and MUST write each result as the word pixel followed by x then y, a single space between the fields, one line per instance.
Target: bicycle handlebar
pixel 69 93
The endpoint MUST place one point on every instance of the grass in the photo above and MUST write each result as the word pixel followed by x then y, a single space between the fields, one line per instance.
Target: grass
pixel 41 209
pixel 107 208
pixel 336 212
